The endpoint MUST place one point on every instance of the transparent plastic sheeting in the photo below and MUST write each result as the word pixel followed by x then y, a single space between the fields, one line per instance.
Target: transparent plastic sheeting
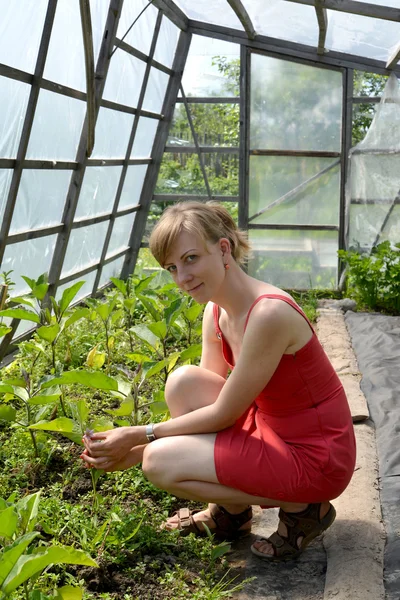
pixel 294 259
pixel 112 269
pixel 141 34
pixel 144 137
pixel 98 191
pixel 201 76
pixel 166 42
pixel 133 184
pixel 294 190
pixel 293 22
pixel 374 183
pixel 155 91
pixel 85 290
pixel 31 257
pixel 40 200
pixel 5 181
pixel 124 79
pixel 294 106
pixel 84 248
pixel 112 133
pixel 120 234
pixel 13 102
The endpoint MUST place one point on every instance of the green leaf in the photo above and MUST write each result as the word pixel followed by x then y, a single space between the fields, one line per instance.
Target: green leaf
pixel 172 311
pixel 39 291
pixel 193 312
pixel 95 380
pixel 44 399
pixel 159 329
pixel 129 304
pixel 4 330
pixel 158 408
pixel 144 283
pixel 20 313
pixel 68 295
pixel 120 285
pixel 154 368
pixel 8 522
pixel 7 413
pixel 12 553
pixel 62 425
pixel 29 565
pixel 27 509
pixel 143 333
pixel 173 359
pixel 95 359
pixel 151 307
pixel 29 281
pixel 192 352
pixel 15 390
pixel 104 310
pixel 138 358
pixel 24 300
pixel 81 412
pixel 125 410
pixel 48 332
pixel 79 313
pixel 68 592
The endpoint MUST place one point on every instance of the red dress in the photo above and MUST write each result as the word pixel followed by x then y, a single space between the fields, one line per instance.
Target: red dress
pixel 296 440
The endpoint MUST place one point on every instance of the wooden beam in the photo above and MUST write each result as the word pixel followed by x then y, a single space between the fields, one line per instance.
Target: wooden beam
pixel 210 100
pixel 284 227
pixel 357 7
pixel 160 198
pixel 244 143
pixel 299 153
pixel 393 58
pixel 322 18
pixel 244 18
pixel 87 35
pixel 173 12
pixel 202 149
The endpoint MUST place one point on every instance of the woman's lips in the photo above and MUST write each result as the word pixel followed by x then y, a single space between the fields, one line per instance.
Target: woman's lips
pixel 195 288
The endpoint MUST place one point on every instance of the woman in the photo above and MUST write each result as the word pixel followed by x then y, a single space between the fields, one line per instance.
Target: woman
pixel 276 432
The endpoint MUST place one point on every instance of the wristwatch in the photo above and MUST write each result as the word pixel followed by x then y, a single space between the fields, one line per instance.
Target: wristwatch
pixel 150 432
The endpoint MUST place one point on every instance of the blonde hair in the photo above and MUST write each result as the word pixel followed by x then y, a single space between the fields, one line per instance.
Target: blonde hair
pixel 209 220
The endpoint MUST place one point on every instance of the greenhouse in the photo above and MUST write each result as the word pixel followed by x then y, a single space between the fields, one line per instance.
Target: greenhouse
pixel 287 114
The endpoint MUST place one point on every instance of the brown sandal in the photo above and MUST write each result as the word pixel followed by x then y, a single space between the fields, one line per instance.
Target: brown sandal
pixel 227 525
pixel 306 524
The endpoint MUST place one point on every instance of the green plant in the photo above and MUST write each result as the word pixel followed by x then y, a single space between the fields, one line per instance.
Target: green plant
pixel 374 279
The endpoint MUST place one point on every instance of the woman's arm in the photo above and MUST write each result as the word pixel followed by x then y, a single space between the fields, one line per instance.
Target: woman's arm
pixel 211 355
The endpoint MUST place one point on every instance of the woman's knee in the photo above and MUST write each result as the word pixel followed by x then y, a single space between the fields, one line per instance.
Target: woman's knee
pixel 190 387
pixel 154 464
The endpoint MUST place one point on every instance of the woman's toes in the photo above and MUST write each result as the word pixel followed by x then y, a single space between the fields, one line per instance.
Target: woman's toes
pixel 264 547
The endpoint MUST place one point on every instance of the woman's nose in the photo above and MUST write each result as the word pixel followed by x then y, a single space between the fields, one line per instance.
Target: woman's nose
pixel 182 276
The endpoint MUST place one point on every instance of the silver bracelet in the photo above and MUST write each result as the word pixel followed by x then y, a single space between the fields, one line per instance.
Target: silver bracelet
pixel 150 432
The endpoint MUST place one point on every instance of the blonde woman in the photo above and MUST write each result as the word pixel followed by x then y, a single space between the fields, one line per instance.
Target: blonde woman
pixel 276 433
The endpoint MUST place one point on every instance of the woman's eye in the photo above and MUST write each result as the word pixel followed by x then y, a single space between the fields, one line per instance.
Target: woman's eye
pixel 191 258
pixel 171 269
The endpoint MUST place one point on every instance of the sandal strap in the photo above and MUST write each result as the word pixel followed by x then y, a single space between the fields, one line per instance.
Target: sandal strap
pixel 281 546
pixel 186 523
pixel 226 522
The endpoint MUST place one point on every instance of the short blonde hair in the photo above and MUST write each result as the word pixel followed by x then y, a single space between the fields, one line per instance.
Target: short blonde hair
pixel 209 220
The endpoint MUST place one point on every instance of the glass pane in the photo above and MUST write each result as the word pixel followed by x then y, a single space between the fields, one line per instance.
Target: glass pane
pixel 294 259
pixel 84 248
pixel 180 174
pixel 367 224
pixel 5 180
pixel 120 234
pixel 214 124
pixel 283 20
pixel 57 127
pixel 166 42
pixel 222 173
pixel 124 79
pixel 98 191
pixel 212 68
pixel 294 190
pixel 113 130
pixel 362 119
pixel 368 84
pixel 13 102
pixel 66 47
pixel 364 36
pixel 293 106
pixel 23 21
pixel 32 258
pixel 155 91
pixel 144 137
pixel 112 269
pixel 218 12
pixel 141 34
pixel 41 199
pixel 133 184
pixel 84 291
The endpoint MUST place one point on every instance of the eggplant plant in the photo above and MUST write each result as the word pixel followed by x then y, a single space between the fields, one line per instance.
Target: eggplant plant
pixel 23 559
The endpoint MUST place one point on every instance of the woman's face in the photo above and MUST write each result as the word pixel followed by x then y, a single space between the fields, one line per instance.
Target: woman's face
pixel 196 268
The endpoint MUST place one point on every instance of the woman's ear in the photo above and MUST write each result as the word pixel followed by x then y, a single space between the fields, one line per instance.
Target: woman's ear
pixel 225 246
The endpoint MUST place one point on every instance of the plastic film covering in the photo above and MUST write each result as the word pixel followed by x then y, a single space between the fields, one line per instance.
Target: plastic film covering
pixel 155 91
pixel 120 234
pixel 144 137
pixel 84 248
pixel 21 27
pixel 201 76
pixel 98 191
pixel 294 106
pixel 294 259
pixel 133 184
pixel 112 269
pixel 141 34
pixel 13 102
pixel 31 257
pixel 373 190
pixel 112 133
pixel 84 291
pixel 5 181
pixel 362 36
pixel 218 12
pixel 166 42
pixel 40 200
pixel 124 79
pixel 56 128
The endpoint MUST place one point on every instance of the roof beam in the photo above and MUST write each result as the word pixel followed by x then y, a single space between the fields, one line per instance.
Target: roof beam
pixel 357 8
pixel 322 18
pixel 173 12
pixel 244 18
pixel 393 58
